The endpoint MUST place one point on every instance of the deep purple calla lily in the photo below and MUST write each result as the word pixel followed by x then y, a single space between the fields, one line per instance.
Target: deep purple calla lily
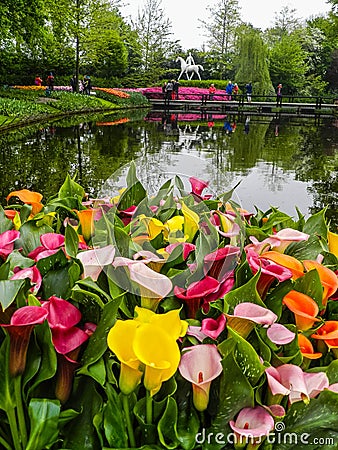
pixel 200 365
pixel 33 274
pixel 21 325
pixel 253 422
pixel 7 239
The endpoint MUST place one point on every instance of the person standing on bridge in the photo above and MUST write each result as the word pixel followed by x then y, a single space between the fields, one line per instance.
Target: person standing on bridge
pixel 279 95
pixel 248 88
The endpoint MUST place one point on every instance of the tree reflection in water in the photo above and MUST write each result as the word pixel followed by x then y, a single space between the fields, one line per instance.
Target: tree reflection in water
pixel 295 167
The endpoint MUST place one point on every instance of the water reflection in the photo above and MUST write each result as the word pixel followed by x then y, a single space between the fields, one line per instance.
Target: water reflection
pixel 280 162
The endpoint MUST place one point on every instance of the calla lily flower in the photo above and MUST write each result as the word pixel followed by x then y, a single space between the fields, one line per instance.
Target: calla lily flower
pixel 191 221
pixel 306 348
pixel 225 224
pixel 289 379
pixel 253 422
pixel 86 218
pixel 50 244
pixel 194 295
pixel 200 365
pixel 327 277
pixel 213 327
pixel 28 197
pixel 247 311
pixel 7 239
pixel 158 352
pixel 147 345
pixel 198 186
pixel 187 248
pixel 62 318
pixel 220 262
pixel 153 285
pixel 304 308
pixel 94 261
pixel 289 262
pixel 20 328
pixel 333 242
pixel 196 332
pixel 120 341
pixel 280 240
pixel 33 274
pixel 328 333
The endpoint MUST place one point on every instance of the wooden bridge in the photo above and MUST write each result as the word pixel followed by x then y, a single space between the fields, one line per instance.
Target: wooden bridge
pixel 221 104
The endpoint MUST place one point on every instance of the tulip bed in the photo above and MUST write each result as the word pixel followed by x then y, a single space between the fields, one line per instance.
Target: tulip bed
pixel 176 321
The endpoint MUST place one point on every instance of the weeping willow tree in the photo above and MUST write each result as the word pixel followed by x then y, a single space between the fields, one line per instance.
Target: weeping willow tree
pixel 252 63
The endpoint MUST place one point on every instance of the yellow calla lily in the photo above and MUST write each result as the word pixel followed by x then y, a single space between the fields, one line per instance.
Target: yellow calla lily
pixel 159 353
pixel 175 223
pixel 120 339
pixel 191 221
pixel 86 218
pixel 170 321
pixel 333 243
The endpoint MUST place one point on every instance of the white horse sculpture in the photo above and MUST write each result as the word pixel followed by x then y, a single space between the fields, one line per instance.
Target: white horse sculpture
pixel 189 68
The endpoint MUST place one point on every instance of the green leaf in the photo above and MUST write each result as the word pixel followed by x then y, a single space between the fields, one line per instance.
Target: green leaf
pixel 6 386
pixel 235 393
pixel 9 289
pixel 30 236
pixel 97 344
pixel 44 417
pixel 245 293
pixel 113 420
pixel 316 224
pixel 55 261
pixel 71 189
pixel 318 419
pixel 167 425
pixel 132 196
pixel 246 357
pixel 71 241
pixel 16 259
pixel 5 224
pixel 306 249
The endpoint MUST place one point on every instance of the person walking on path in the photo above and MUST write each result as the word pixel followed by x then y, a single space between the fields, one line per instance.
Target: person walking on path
pixel 176 86
pixel 50 81
pixel 279 95
pixel 228 90
pixel 212 91
pixel 38 81
pixel 73 83
pixel 248 89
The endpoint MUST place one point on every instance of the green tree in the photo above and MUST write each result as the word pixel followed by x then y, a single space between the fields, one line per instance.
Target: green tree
pixel 287 64
pixel 221 29
pixel 154 32
pixel 252 63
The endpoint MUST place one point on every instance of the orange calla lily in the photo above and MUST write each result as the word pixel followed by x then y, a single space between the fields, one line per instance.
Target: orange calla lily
pixel 306 348
pixel 28 197
pixel 287 261
pixel 328 333
pixel 333 242
pixel 86 218
pixel 304 308
pixel 327 277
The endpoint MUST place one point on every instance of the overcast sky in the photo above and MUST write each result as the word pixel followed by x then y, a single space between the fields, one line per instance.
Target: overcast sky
pixel 184 14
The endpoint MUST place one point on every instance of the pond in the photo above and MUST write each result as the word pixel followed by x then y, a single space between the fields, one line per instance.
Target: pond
pixel 280 162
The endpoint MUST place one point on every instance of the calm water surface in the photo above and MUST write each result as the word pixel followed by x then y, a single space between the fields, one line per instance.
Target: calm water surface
pixel 285 163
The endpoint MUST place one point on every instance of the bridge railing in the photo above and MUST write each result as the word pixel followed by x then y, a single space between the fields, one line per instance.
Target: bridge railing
pixel 242 98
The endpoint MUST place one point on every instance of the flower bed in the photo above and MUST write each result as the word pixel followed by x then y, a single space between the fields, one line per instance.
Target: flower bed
pixel 176 321
pixel 187 93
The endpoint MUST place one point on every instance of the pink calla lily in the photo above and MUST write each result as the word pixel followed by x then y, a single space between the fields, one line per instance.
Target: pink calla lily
pixel 33 274
pixel 218 264
pixel 289 379
pixel 20 328
pixel 200 365
pixel 7 239
pixel 253 422
pixel 213 327
pixel 197 185
pixel 187 248
pixel 51 243
pixel 279 334
pixel 94 261
pixel 256 313
pixel 280 240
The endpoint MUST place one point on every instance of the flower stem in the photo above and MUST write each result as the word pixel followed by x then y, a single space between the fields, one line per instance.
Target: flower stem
pixel 5 444
pixel 14 429
pixel 20 410
pixel 128 421
pixel 149 408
